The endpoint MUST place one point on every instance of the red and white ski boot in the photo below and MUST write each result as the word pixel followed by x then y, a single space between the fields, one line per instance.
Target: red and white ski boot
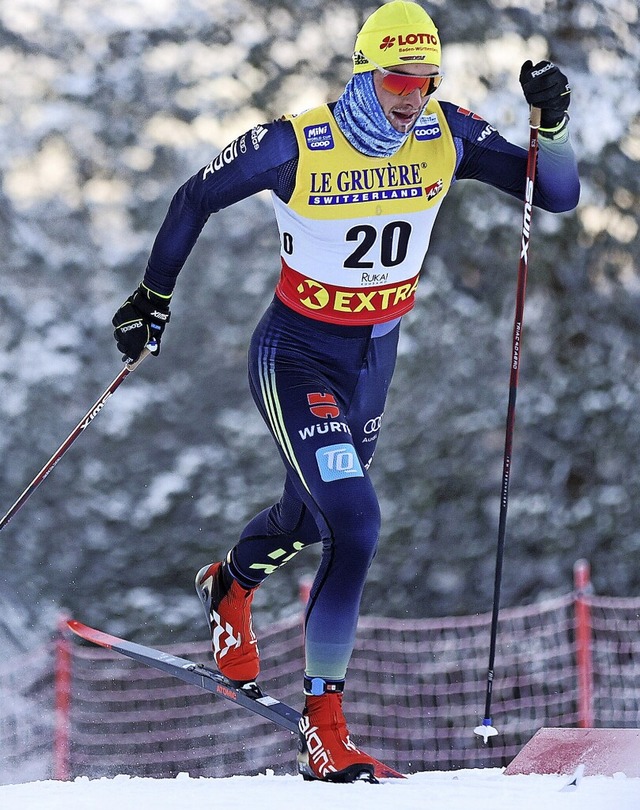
pixel 227 606
pixel 325 750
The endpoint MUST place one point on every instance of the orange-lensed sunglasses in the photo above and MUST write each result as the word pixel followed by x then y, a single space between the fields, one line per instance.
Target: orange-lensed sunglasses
pixel 403 84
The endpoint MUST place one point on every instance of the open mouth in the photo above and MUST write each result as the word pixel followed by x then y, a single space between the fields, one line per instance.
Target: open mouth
pixel 403 119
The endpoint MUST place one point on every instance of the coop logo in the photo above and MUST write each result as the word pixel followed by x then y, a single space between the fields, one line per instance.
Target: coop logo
pixel 408 39
pixel 427 128
pixel 338 461
pixel 427 133
pixel 319 137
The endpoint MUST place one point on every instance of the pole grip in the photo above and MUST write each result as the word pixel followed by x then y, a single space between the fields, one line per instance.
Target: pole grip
pixel 535 116
pixel 143 354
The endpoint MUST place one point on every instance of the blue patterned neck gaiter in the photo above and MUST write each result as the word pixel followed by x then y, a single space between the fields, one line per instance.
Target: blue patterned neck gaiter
pixel 359 115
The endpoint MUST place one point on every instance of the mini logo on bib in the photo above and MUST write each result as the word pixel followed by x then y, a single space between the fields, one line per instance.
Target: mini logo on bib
pixel 319 137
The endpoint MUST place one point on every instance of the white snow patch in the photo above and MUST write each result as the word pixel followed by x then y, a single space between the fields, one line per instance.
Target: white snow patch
pixel 455 790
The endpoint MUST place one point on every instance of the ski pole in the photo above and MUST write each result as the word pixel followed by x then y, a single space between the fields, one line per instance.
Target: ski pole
pixel 487 730
pixel 78 429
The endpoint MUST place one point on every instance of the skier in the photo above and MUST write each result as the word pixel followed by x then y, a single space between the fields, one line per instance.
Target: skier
pixel 356 186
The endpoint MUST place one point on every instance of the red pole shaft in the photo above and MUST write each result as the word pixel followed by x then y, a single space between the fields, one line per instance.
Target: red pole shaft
pixel 66 444
pixel 62 687
pixel 584 656
pixel 523 269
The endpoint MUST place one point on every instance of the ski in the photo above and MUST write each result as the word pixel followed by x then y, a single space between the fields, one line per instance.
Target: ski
pixel 211 680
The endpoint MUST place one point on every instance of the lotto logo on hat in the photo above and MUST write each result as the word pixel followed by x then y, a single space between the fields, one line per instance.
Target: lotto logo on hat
pixel 397 32
pixel 409 40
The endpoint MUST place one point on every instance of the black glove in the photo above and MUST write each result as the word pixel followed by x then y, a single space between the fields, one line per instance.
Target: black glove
pixel 140 321
pixel 545 86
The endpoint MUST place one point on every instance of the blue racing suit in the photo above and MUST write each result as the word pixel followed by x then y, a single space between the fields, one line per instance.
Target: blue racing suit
pixel 322 357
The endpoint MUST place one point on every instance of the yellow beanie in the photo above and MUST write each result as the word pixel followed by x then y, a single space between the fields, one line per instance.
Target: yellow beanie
pixel 398 32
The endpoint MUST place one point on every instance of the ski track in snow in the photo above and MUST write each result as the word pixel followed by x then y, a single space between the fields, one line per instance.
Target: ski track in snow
pixel 455 790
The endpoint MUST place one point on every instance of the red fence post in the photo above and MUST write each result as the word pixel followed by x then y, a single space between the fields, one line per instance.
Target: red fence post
pixel 584 656
pixel 62 689
pixel 304 590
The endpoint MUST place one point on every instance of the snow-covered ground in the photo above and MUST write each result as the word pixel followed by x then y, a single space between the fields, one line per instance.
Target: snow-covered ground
pixel 456 790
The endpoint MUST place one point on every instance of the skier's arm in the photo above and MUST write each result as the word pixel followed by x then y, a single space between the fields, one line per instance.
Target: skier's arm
pixel 249 164
pixel 483 154
pixel 263 158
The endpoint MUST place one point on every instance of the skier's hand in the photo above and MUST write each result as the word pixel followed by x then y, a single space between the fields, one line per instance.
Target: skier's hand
pixel 545 86
pixel 140 322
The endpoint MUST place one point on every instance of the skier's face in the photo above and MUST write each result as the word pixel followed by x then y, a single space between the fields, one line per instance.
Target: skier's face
pixel 402 111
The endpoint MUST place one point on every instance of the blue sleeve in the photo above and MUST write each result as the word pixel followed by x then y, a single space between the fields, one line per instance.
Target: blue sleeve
pixel 249 164
pixel 483 154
